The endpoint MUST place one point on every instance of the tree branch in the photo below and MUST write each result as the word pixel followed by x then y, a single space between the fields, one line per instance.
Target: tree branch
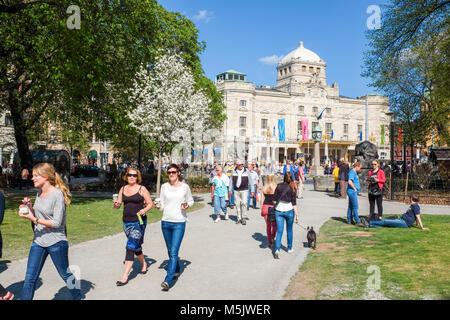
pixel 16 8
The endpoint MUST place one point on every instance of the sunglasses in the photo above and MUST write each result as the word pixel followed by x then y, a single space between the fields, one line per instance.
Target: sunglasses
pixel 132 175
pixel 374 164
pixel 171 172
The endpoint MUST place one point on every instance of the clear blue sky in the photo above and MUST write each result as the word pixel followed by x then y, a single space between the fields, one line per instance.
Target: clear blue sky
pixel 240 33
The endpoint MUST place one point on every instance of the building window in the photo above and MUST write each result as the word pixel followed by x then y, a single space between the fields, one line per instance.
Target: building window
pixel 281 72
pixel 328 127
pixel 236 77
pixel 243 122
pixel 314 125
pixel 315 110
pixel 318 70
pixel 359 128
pixel 242 78
pixel 328 111
pixel 303 68
pixel 345 128
pixel 301 109
pixel 311 69
pixel 243 103
pixel 285 70
pixel 290 70
pixel 299 126
pixel 242 132
pixel 263 123
pixel 230 77
pixel 8 121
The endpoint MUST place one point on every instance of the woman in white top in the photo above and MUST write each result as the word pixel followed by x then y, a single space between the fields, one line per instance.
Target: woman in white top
pixel 176 198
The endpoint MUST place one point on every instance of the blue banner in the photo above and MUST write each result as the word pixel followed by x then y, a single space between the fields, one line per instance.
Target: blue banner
pixel 360 136
pixel 281 130
pixel 332 133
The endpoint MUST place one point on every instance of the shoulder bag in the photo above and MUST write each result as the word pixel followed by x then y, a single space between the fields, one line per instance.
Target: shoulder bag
pixel 271 210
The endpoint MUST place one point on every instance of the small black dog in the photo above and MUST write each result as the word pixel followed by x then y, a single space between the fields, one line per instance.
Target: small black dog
pixel 311 236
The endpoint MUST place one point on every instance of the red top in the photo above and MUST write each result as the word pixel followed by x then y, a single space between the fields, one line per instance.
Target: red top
pixel 380 176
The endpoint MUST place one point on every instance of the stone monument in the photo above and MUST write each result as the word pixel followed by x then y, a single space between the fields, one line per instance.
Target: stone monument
pixel 365 152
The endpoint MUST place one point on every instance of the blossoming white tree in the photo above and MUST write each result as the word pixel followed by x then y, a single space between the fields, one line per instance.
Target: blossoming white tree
pixel 167 106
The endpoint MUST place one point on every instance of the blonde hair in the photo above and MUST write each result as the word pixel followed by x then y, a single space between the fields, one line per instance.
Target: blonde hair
pixel 47 170
pixel 270 185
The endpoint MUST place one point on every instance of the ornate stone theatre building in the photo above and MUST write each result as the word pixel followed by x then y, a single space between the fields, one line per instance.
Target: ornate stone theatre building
pixel 300 96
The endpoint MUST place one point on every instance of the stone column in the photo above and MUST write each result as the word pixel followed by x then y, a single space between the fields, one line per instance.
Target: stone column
pixel 316 169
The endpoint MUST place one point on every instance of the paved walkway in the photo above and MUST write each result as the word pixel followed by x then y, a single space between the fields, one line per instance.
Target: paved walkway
pixel 220 261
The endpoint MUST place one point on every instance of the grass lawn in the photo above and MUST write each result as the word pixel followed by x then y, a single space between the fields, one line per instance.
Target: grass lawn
pixel 87 219
pixel 413 264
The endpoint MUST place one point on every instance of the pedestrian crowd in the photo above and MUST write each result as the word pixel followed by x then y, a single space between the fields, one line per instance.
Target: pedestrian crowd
pixel 233 186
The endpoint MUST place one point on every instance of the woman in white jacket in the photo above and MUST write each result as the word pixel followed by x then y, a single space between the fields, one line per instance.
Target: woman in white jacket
pixel 176 198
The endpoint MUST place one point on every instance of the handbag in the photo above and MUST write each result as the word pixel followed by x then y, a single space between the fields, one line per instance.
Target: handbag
pixel 271 210
pixel 374 190
pixel 271 214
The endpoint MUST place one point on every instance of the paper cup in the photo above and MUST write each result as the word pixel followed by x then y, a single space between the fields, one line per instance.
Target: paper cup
pixel 157 200
pixel 23 210
pixel 115 197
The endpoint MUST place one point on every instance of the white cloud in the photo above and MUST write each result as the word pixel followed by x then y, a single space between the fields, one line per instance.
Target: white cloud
pixel 271 60
pixel 204 15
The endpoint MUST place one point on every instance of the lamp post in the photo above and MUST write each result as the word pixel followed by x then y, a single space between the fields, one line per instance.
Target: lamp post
pixel 317 137
pixel 391 140
pixel 268 136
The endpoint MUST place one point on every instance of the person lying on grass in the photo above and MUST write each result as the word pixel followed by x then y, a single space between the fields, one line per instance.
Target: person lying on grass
pixel 406 221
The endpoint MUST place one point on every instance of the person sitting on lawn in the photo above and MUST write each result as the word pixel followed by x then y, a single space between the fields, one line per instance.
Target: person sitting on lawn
pixel 407 219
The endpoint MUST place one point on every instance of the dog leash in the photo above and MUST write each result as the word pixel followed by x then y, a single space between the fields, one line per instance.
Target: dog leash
pixel 301 226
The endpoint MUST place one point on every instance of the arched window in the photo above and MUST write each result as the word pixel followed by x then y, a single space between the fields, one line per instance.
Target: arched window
pixel 303 68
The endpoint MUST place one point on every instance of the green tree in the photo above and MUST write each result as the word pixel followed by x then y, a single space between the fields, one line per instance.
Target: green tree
pixel 404 61
pixel 50 72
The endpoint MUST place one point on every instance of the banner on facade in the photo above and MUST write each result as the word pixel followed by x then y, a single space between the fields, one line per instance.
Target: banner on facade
pixel 382 134
pixel 305 129
pixel 281 130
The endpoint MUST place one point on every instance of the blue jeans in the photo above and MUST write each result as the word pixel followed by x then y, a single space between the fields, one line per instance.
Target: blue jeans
pixel 250 197
pixel 173 233
pixel 230 202
pixel 219 203
pixel 352 205
pixel 282 216
pixel 397 223
pixel 36 259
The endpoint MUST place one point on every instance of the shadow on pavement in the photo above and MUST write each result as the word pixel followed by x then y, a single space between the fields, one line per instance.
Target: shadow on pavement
pixel 64 292
pixel 340 219
pixel 17 287
pixel 261 238
pixel 136 268
pixel 183 265
pixel 4 265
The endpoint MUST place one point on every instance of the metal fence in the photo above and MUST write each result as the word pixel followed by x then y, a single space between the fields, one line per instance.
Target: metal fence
pixel 432 187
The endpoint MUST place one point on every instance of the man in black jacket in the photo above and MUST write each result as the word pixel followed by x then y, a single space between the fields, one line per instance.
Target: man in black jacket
pixel 241 180
pixel 343 177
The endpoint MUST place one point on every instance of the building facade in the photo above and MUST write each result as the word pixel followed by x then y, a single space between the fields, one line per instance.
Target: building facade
pixel 300 96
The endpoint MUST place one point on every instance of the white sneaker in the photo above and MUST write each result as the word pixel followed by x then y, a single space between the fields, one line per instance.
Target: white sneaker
pixel 291 250
pixel 217 220
pixel 276 254
pixel 226 217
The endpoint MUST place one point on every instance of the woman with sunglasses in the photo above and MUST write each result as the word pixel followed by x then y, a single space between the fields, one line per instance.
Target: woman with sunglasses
pixel 378 177
pixel 136 202
pixel 176 198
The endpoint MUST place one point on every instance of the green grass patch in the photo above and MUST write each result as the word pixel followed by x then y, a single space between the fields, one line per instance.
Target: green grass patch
pixel 413 264
pixel 87 219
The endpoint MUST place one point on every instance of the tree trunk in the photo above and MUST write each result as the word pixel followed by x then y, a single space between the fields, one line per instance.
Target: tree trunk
pixel 26 159
pixel 203 150
pixel 158 179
